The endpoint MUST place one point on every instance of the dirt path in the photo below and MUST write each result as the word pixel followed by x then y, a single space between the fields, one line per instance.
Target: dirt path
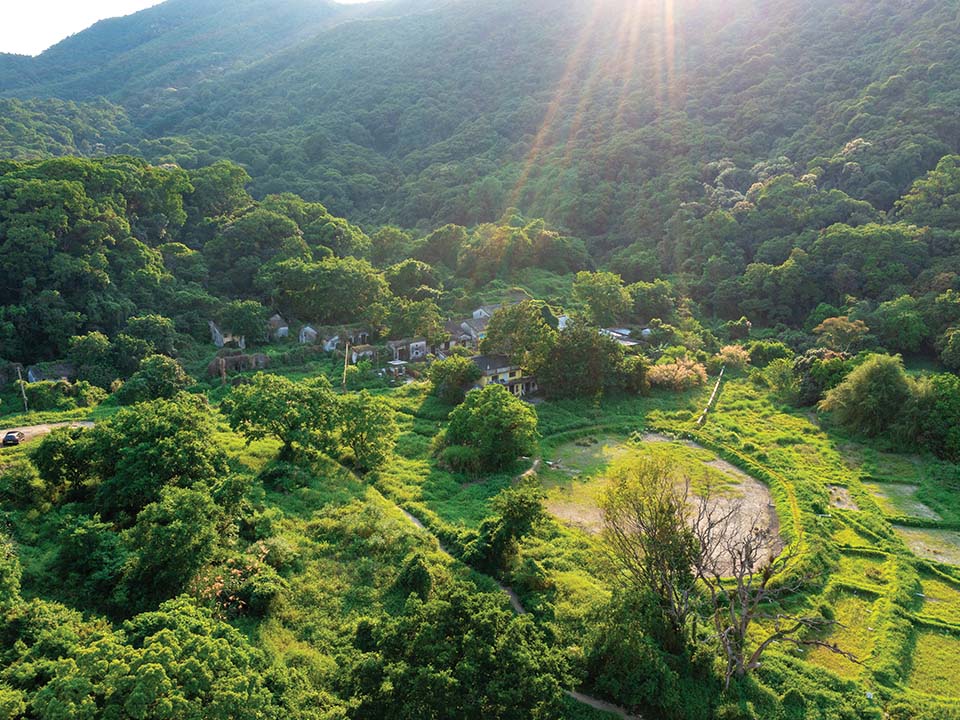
pixel 518 608
pixel 601 705
pixel 33 432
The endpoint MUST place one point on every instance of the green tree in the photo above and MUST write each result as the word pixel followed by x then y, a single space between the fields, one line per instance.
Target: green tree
pixel 496 545
pixel 934 200
pixel 417 318
pixel 603 295
pixel 159 377
pixel 344 239
pixel 411 279
pixel 937 417
pixel 303 413
pixel 452 377
pixel 92 357
pixel 950 349
pixel 522 334
pixel 583 363
pixel 368 426
pixel 171 540
pixel 458 655
pixel 495 424
pixel 335 290
pixel 841 333
pixel 442 246
pixel 219 190
pixel 146 447
pixel 237 254
pixel 157 330
pixel 900 324
pixel 90 558
pixel 245 318
pixel 871 397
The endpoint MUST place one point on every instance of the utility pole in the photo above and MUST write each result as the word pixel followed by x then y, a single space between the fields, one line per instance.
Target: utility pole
pixel 23 391
pixel 346 362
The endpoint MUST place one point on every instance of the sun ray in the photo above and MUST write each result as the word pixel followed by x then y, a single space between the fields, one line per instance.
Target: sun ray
pixel 564 88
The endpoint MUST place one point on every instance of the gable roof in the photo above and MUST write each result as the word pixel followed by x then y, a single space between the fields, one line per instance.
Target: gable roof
pixel 491 363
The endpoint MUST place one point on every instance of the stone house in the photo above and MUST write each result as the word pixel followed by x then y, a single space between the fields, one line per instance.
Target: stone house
pixel 408 349
pixel 222 339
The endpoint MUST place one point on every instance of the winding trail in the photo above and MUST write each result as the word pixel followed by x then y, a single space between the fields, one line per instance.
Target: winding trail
pixel 518 608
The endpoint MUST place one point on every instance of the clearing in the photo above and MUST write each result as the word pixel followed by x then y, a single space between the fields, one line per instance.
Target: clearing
pixel 939 545
pixel 841 498
pixel 575 475
pixel 32 432
pixel 941 600
pixel 900 500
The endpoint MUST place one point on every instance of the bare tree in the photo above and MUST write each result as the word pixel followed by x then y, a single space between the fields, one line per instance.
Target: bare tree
pixel 737 563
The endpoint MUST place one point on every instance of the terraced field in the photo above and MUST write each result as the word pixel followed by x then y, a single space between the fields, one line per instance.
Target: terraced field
pixel 887 563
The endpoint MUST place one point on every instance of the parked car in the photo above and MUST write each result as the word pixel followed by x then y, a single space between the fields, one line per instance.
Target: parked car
pixel 14 437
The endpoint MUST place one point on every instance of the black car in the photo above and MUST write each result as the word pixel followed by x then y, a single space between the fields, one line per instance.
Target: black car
pixel 14 437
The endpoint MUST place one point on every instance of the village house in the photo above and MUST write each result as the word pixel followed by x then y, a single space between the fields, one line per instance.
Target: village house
pixel 397 369
pixel 408 349
pixel 278 328
pixel 62 370
pixel 499 370
pixel 222 339
pixel 621 336
pixel 334 338
pixel 308 335
pixel 362 352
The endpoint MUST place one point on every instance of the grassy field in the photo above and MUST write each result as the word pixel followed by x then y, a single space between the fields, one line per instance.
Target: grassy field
pixel 852 632
pixel 935 663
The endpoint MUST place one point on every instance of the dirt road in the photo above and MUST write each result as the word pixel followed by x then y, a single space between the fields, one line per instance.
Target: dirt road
pixel 33 432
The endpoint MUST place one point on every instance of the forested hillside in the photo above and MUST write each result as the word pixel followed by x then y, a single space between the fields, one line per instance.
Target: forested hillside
pixel 483 359
pixel 599 116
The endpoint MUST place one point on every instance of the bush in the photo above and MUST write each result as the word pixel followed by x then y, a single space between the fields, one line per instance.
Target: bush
pixel 61 394
pixel 871 397
pixel 679 375
pixel 20 485
pixel 950 350
pixel 764 352
pixel 414 578
pixel 461 458
pixel 734 358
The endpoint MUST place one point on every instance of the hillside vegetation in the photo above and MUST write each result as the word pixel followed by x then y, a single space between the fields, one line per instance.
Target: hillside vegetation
pixel 504 360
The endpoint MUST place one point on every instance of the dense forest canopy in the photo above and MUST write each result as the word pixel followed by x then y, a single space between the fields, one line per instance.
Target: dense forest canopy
pixel 601 116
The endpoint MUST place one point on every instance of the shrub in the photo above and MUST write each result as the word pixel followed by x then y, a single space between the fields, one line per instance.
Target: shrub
pixel 62 395
pixel 734 357
pixel 679 375
pixel 871 397
pixel 414 578
pixel 764 352
pixel 950 350
pixel 460 458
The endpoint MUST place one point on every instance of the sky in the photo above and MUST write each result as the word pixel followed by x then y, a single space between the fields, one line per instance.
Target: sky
pixel 28 27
